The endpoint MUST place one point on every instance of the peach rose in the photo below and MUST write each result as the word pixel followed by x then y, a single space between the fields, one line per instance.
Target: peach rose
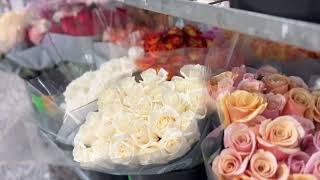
pixel 229 163
pixel 299 100
pixel 240 138
pixel 314 111
pixel 302 177
pixel 264 165
pixel 276 83
pixel 240 107
pixel 281 136
pixel 220 83
pixel 313 165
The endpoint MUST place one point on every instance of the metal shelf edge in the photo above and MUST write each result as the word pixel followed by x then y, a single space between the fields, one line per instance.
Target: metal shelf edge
pixel 289 31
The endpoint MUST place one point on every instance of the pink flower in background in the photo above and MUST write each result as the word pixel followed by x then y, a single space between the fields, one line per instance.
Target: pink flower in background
pixel 266 70
pixel 240 72
pixel 316 140
pixel 264 165
pixel 276 103
pixel 276 83
pixel 38 31
pixel 229 163
pixel 297 162
pixel 281 136
pixel 297 82
pixel 313 165
pixel 240 138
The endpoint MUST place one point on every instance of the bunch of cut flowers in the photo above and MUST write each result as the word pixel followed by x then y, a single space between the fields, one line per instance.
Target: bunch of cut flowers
pixel 270 125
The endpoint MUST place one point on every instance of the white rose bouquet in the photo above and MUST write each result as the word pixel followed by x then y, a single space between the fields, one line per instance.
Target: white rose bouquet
pixel 149 126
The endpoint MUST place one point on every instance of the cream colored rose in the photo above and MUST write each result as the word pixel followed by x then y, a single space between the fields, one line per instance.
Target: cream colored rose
pixel 240 107
pixel 100 150
pixel 186 85
pixel 81 153
pixel 139 132
pixel 85 134
pixel 199 102
pixel 188 124
pixel 121 121
pixel 194 71
pixel 163 119
pixel 122 150
pixel 104 130
pixel 314 111
pixel 281 136
pixel 107 97
pixel 173 144
pixel 178 101
pixel 150 155
pixel 264 166
pixel 151 78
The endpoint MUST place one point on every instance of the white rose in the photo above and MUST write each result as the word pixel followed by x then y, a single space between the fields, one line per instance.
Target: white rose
pixel 100 150
pixel 144 107
pixel 81 153
pixel 133 96
pixel 105 130
pixel 188 124
pixel 161 119
pixel 186 85
pixel 122 121
pixel 122 151
pixel 194 71
pixel 85 134
pixel 177 101
pixel 150 155
pixel 198 100
pixel 152 79
pixel 126 85
pixel 140 133
pixel 108 96
pixel 173 144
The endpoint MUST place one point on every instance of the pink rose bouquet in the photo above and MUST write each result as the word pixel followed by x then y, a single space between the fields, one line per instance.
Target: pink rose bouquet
pixel 269 122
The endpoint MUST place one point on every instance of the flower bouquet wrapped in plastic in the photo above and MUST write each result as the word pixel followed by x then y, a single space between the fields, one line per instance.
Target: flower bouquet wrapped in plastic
pixel 268 127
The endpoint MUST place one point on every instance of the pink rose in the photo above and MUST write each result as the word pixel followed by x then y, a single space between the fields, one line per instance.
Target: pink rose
pixel 307 144
pixel 276 103
pixel 299 100
pixel 251 85
pixel 240 138
pixel 316 140
pixel 264 165
pixel 267 70
pixel 313 165
pixel 307 124
pixel 240 72
pixel 38 31
pixel 281 136
pixel 297 82
pixel 276 83
pixel 297 162
pixel 229 163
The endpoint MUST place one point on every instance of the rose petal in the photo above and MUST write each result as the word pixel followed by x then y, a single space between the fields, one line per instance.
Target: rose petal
pixel 307 124
pixel 302 177
pixel 312 167
pixel 308 144
pixel 276 103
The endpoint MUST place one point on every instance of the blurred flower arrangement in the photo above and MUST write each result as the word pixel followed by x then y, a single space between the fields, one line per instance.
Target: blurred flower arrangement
pixel 150 121
pixel 271 125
